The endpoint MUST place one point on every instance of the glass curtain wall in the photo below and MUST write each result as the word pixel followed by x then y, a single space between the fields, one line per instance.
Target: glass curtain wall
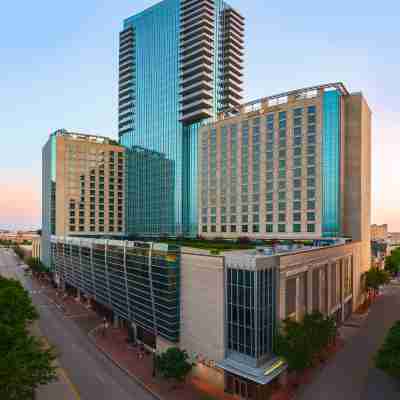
pixel 331 164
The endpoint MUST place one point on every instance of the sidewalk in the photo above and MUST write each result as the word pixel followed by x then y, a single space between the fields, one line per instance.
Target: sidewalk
pixel 114 345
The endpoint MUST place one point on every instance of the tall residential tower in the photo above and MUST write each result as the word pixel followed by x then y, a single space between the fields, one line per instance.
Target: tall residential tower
pixel 181 64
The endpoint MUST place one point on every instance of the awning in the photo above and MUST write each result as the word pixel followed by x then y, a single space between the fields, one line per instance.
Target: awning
pixel 261 375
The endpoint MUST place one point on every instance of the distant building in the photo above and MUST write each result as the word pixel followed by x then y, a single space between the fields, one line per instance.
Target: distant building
pixel 180 63
pixel 379 232
pixel 83 187
pixel 293 165
pixel 36 248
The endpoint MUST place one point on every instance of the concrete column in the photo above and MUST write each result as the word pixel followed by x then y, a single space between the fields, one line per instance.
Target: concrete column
pixel 309 291
pixel 298 315
pixel 78 295
pixel 282 296
pixel 342 287
pixel 115 321
pixel 329 288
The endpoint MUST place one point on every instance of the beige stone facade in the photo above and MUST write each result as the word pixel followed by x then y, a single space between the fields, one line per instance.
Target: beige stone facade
pixel 262 170
pixel 89 185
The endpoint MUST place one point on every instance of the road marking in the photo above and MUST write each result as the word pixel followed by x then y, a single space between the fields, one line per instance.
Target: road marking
pixel 70 384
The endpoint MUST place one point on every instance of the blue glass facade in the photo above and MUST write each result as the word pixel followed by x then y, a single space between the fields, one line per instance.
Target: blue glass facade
pixel 155 121
pixel 49 162
pixel 331 144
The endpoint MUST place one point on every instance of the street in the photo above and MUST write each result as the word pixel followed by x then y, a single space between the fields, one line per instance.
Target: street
pixel 351 374
pixel 89 373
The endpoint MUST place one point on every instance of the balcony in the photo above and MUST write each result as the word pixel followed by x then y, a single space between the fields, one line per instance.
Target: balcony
pixel 201 85
pixel 196 116
pixel 196 25
pixel 197 12
pixel 206 44
pixel 196 96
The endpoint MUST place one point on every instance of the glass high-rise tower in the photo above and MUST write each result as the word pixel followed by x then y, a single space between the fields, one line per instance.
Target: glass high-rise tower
pixel 180 65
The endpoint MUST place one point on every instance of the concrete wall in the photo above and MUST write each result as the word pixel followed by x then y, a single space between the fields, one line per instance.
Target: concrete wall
pixel 202 305
pixel 304 263
pixel 357 185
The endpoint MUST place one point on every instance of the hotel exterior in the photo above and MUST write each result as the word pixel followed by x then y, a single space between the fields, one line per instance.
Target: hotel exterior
pixel 222 309
pixel 180 63
pixel 83 187
pixel 290 166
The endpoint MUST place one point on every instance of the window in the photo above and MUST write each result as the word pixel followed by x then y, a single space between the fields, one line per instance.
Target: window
pixel 282 206
pixel 311 182
pixel 270 207
pixel 311 216
pixel 296 217
pixel 72 228
pixel 245 218
pixel 269 228
pixel 310 228
pixel 296 228
pixel 281 228
pixel 213 210
pixel 213 228
pixel 204 229
pixel 297 205
pixel 245 228
pixel 256 218
pixel 297 195
pixel 282 185
pixel 312 118
pixel 256 229
pixel 282 195
pixel 213 220
pixel 311 205
pixel 282 217
pixel 223 228
pixel 297 183
pixel 297 131
pixel 297 151
pixel 233 209
pixel 269 217
pixel 311 160
pixel 233 228
pixel 223 219
pixel 297 141
pixel 312 109
pixel 245 209
pixel 311 194
pixel 297 172
pixel 297 112
pixel 233 218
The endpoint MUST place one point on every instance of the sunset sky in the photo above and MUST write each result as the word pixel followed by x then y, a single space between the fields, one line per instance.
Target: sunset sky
pixel 58 69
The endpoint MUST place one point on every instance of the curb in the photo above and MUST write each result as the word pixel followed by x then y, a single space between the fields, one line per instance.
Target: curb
pixel 123 369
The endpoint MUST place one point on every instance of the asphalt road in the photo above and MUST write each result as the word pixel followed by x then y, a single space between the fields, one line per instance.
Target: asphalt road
pixel 91 375
pixel 351 375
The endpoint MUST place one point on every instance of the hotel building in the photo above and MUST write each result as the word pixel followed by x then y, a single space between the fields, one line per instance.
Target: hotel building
pixel 180 63
pixel 83 187
pixel 290 166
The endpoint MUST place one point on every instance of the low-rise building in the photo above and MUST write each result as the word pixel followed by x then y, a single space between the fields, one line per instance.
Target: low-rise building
pixel 379 232
pixel 222 309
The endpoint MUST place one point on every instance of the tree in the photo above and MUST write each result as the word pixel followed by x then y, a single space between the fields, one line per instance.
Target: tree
pixel 375 277
pixel 25 363
pixel 392 262
pixel 388 357
pixel 299 342
pixel 35 265
pixel 15 304
pixel 174 364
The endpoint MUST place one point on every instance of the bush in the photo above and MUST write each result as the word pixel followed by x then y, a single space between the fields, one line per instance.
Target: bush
pixel 374 278
pixel 388 357
pixel 174 364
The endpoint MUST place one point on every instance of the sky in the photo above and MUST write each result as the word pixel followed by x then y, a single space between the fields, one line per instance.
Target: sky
pixel 58 69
